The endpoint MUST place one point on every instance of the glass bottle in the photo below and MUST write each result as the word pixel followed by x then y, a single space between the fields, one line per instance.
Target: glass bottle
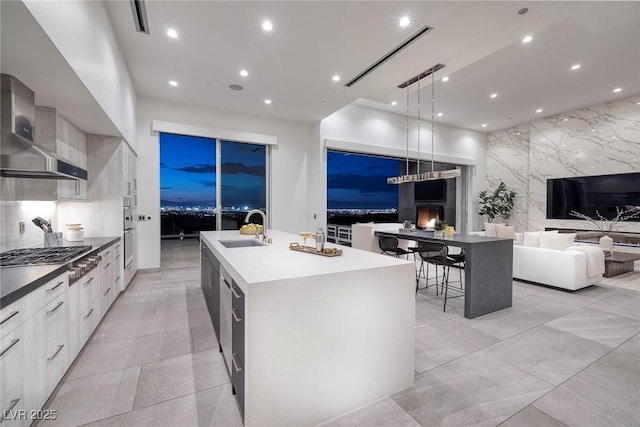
pixel 320 239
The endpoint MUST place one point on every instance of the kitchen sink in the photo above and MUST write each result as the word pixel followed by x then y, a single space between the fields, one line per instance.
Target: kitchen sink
pixel 246 243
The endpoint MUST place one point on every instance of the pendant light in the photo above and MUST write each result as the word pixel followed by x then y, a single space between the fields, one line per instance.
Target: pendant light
pixel 433 174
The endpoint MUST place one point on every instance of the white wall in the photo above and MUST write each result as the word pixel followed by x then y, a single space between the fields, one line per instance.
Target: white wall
pixel 289 166
pixel 373 131
pixel 82 32
pixel 11 213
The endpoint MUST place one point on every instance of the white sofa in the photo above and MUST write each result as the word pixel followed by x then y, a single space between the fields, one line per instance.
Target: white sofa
pixel 561 269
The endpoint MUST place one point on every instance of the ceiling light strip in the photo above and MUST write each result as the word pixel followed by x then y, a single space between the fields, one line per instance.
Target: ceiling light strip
pixel 140 16
pixel 422 31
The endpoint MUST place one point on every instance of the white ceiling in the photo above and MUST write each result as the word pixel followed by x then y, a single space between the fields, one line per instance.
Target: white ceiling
pixel 479 42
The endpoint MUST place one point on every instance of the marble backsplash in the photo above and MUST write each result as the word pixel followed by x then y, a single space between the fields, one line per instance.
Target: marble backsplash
pixel 598 140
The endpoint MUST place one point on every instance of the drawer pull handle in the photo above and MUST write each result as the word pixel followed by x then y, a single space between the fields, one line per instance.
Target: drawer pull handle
pixel 225 282
pixel 55 308
pixel 55 287
pixel 60 347
pixel 13 342
pixel 107 253
pixel 89 313
pixel 6 412
pixel 13 314
pixel 235 294
pixel 234 363
pixel 235 316
pixel 117 278
pixel 107 266
pixel 89 281
pixel 107 291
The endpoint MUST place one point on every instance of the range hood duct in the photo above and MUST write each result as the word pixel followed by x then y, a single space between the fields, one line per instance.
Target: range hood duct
pixel 20 155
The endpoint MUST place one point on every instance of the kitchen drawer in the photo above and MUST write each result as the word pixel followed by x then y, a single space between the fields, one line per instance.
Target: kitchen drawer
pixel 81 293
pixel 14 314
pixel 14 349
pixel 237 298
pixel 16 407
pixel 48 292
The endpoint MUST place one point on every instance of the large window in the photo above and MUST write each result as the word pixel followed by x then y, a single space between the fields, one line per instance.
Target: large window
pixel 188 184
pixel 357 189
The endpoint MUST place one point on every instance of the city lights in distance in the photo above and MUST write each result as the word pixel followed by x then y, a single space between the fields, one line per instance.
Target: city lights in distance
pixel 267 25
pixel 405 21
pixel 172 33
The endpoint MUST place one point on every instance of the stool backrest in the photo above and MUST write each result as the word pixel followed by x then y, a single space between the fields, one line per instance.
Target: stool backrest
pixel 388 243
pixel 432 250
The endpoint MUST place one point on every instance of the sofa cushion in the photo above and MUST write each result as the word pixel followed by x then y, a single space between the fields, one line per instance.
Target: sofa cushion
pixel 490 228
pixel 557 241
pixel 506 232
pixel 532 238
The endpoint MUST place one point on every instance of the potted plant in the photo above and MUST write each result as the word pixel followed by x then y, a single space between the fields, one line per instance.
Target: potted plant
pixel 606 226
pixel 438 229
pixel 497 204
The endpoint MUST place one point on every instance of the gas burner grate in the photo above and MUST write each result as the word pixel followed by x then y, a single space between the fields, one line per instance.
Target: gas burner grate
pixel 41 256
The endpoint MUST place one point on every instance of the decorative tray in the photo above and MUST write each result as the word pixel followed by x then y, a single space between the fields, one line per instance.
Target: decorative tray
pixel 311 250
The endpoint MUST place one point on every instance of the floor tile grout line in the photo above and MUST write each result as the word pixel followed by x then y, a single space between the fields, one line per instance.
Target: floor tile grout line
pixel 538 409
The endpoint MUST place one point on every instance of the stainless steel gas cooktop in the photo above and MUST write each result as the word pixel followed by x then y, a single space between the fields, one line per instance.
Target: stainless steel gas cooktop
pixel 41 256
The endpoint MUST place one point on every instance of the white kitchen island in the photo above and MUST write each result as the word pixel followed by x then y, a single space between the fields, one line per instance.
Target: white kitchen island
pixel 322 336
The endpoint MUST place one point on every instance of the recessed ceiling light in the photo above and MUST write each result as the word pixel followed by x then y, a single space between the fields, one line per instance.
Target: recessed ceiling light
pixel 267 25
pixel 527 39
pixel 494 95
pixel 517 133
pixel 244 73
pixel 172 33
pixel 173 83
pixel 539 110
pixel 565 119
pixel 445 79
pixel 484 125
pixel 394 103
pixel 404 21
pixel 439 114
pixel 593 130
pixel 618 89
pixel 336 78
pixel 575 67
pixel 267 101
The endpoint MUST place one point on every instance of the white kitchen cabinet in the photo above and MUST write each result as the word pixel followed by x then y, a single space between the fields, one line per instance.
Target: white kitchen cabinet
pixel 57 134
pixel 14 347
pixel 16 406
pixel 13 315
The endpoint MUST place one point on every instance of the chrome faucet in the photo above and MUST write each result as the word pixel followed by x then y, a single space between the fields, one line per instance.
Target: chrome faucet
pixel 264 222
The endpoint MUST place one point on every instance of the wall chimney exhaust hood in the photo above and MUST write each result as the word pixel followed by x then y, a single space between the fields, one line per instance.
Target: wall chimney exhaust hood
pixel 20 155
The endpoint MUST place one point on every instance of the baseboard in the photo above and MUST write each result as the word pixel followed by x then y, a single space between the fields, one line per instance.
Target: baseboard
pixel 149 270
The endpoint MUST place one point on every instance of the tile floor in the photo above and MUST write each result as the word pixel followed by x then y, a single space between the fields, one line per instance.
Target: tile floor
pixel 555 358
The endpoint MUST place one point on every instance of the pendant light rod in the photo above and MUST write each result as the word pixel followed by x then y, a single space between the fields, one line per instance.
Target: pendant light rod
pixel 418 168
pixel 433 118
pixel 407 163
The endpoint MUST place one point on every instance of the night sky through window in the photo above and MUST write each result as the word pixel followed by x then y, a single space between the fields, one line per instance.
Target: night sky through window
pixel 356 181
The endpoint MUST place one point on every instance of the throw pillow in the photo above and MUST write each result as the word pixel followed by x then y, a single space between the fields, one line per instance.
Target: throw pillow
pixel 490 229
pixel 557 241
pixel 532 238
pixel 506 232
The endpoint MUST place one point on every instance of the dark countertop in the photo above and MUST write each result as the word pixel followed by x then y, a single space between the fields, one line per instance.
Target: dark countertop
pixel 16 282
pixel 459 240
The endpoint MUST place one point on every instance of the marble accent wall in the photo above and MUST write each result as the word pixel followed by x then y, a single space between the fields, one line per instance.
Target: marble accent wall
pixel 597 140
pixel 508 161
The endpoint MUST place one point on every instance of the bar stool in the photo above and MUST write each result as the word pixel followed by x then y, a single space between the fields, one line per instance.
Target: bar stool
pixel 438 254
pixel 389 246
pixel 429 253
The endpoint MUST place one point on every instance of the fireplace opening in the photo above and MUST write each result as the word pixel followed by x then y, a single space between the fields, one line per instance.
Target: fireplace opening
pixel 426 216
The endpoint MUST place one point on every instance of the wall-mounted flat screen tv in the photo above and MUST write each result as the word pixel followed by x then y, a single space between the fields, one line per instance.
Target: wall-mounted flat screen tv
pixel 588 194
pixel 431 191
